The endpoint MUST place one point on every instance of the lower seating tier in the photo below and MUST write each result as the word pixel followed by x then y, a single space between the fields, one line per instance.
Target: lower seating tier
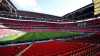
pixel 56 48
pixel 11 50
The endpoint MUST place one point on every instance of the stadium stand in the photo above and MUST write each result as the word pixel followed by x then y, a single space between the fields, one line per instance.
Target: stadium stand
pixel 53 48
pixel 61 49
pixel 97 54
pixel 24 33
pixel 7 32
pixel 95 38
pixel 90 26
pixel 11 50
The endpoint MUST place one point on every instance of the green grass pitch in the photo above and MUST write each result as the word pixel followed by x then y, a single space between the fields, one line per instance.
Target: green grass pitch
pixel 36 35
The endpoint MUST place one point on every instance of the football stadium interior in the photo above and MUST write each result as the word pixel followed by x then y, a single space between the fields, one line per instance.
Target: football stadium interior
pixel 24 33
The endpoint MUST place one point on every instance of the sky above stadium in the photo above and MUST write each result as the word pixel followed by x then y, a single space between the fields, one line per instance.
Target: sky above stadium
pixel 53 7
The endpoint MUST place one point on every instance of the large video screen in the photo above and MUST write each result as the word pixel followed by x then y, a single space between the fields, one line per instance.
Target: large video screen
pixel 96 7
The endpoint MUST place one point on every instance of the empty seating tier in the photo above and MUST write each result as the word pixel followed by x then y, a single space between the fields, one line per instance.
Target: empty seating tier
pixel 59 48
pixel 95 38
pixel 11 50
pixel 53 48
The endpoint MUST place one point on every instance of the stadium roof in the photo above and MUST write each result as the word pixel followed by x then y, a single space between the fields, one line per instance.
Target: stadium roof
pixel 82 13
pixel 37 15
pixel 6 5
